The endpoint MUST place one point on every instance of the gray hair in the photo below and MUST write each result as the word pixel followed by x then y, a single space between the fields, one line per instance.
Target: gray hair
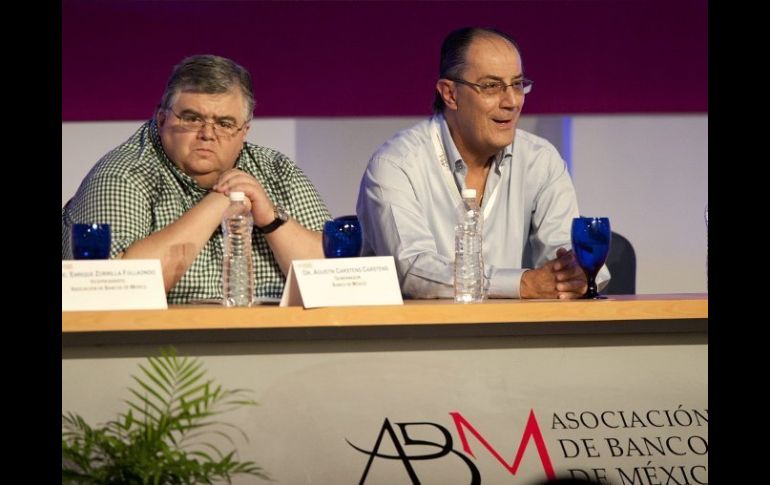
pixel 453 50
pixel 208 74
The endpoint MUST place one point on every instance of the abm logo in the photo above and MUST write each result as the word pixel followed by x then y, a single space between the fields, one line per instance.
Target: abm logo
pixel 446 450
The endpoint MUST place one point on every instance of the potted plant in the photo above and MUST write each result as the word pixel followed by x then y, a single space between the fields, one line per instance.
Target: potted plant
pixel 163 436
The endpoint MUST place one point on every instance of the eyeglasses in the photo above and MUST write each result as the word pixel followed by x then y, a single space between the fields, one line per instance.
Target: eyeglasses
pixel 194 122
pixel 495 88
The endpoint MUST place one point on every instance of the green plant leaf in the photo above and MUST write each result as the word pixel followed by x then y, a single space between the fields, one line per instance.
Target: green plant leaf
pixel 159 378
pixel 143 411
pixel 163 400
pixel 161 437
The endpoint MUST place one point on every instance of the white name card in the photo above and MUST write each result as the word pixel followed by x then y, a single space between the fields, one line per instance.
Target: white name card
pixel 316 283
pixel 112 284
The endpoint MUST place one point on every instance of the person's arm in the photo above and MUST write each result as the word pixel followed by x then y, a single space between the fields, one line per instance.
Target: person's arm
pixel 394 223
pixel 178 244
pixel 291 240
pixel 556 273
pixel 126 204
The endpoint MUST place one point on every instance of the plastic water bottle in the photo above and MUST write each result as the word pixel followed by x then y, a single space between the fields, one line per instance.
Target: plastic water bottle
pixel 469 262
pixel 237 266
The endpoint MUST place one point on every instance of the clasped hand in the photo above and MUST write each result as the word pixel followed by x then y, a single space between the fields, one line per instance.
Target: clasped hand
pixel 261 206
pixel 559 278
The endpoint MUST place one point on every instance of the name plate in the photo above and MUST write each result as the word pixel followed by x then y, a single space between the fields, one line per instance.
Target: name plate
pixel 112 284
pixel 314 283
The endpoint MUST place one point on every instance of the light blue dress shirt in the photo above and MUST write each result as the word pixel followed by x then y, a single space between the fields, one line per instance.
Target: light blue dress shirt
pixel 407 208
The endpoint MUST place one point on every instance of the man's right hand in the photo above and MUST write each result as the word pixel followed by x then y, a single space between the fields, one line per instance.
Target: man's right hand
pixel 260 204
pixel 559 278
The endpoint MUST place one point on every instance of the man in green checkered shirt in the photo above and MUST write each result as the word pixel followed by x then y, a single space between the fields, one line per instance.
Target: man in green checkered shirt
pixel 165 189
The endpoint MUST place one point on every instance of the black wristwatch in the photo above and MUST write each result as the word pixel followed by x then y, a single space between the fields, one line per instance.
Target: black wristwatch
pixel 281 216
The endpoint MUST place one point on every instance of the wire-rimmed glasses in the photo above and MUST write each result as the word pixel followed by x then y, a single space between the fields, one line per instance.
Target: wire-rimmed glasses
pixel 495 88
pixel 194 122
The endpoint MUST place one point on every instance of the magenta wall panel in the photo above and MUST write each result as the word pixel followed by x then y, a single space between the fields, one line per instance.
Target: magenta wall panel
pixel 380 58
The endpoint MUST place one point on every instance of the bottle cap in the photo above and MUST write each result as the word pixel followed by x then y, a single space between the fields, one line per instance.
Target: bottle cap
pixel 236 196
pixel 469 193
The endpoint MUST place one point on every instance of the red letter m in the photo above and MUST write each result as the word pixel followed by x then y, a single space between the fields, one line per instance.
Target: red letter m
pixel 532 430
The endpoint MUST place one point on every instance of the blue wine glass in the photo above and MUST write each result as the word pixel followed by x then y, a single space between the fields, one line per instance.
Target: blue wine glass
pixel 342 237
pixel 91 241
pixel 591 243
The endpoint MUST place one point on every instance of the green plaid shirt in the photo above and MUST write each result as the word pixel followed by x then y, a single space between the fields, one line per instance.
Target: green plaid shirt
pixel 138 191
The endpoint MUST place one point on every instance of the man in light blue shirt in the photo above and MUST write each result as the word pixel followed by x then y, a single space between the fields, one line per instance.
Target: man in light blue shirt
pixel 412 184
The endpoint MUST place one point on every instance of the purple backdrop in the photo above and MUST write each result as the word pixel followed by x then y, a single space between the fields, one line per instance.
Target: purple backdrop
pixel 380 58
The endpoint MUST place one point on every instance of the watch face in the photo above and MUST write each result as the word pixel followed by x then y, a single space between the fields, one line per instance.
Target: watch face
pixel 281 213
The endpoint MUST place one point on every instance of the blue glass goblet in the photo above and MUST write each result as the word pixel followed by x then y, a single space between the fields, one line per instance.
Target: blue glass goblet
pixel 342 237
pixel 591 243
pixel 91 241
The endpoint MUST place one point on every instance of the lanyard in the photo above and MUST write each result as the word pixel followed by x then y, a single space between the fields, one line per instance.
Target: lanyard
pixel 438 147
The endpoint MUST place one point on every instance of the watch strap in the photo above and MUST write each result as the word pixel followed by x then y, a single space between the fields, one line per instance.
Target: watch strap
pixel 280 218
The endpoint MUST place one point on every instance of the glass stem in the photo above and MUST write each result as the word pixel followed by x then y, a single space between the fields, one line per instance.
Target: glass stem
pixel 592 291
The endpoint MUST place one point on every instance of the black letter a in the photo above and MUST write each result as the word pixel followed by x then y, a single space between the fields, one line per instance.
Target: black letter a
pixel 386 427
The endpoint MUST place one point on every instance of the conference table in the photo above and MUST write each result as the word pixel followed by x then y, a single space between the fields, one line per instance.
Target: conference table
pixel 506 391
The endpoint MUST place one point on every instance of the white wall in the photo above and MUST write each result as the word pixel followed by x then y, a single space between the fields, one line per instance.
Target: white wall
pixel 649 174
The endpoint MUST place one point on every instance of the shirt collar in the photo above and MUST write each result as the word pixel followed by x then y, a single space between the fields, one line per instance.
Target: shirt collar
pixel 456 163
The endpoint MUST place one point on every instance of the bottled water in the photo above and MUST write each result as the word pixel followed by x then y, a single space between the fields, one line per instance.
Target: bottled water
pixel 469 263
pixel 237 266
